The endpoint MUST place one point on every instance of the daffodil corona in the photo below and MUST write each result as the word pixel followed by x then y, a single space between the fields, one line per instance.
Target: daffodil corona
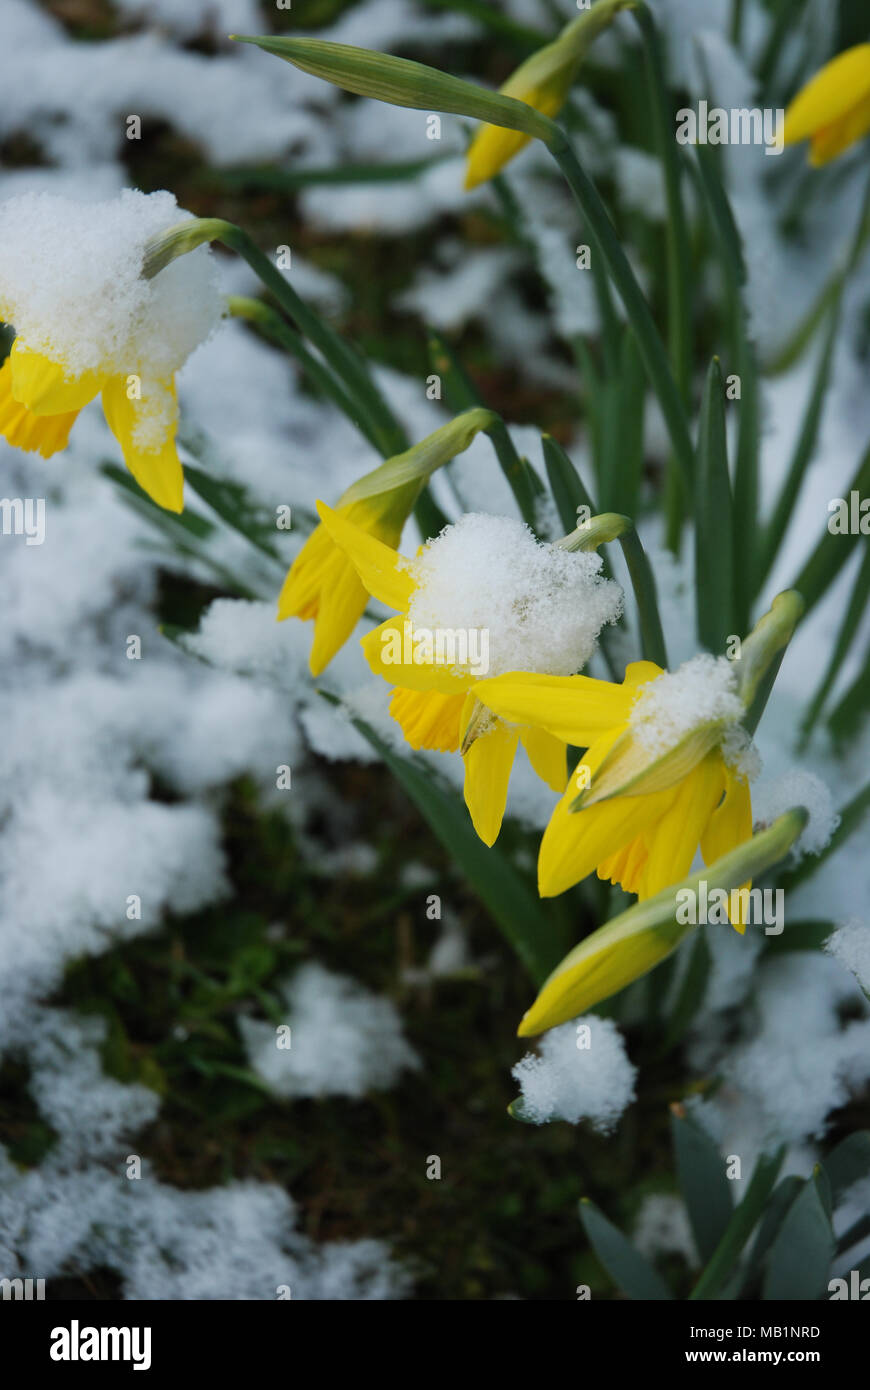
pixel 485 590
pixel 833 110
pixel 666 767
pixel 87 323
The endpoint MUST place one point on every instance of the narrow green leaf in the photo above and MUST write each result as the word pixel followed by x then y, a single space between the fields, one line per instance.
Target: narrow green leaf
pixel 705 1188
pixel 849 628
pixel 234 506
pixel 569 494
pixel 625 1265
pixel 834 549
pixel 689 996
pixel 775 1212
pixel 800 1257
pixel 848 1163
pixel 714 521
pixel 720 1267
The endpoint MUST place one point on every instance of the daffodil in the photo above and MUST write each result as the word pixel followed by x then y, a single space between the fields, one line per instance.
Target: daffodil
pixel 658 776
pixel 87 323
pixel 833 110
pixel 543 82
pixel 488 578
pixel 322 582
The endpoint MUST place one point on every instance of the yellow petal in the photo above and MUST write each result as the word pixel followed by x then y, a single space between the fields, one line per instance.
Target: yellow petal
pixel 488 764
pixel 838 87
pixel 158 471
pixel 832 140
pixel 576 709
pixel 379 566
pixel 575 843
pixel 676 834
pixel 729 826
pixel 339 607
pixel 44 434
pixel 46 387
pixel 494 146
pixel 428 719
pixel 547 756
pixel 386 649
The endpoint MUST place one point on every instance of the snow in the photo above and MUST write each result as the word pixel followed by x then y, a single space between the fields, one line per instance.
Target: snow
pixel 850 944
pixel 344 1041
pixel 700 692
pixel 799 787
pixel 71 283
pixel 580 1072
pixel 542 607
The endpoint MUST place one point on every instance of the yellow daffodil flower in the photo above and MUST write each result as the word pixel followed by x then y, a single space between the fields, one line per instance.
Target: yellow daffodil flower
pixel 435 701
pixel 542 82
pixel 40 403
pixel 833 110
pixel 322 582
pixel 87 322
pixel 634 814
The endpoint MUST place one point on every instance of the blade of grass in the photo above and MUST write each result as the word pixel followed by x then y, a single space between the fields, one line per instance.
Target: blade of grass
pixel 849 627
pixel 746 1215
pixel 714 540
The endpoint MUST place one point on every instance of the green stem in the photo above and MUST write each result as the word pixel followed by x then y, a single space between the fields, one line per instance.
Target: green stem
pixel 275 327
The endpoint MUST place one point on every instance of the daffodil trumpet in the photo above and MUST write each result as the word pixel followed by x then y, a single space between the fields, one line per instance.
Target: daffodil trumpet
pixel 667 762
pixel 630 945
pixel 833 110
pixel 322 583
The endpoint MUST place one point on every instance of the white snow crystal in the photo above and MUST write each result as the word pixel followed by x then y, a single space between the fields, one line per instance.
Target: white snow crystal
pixel 850 944
pixel 70 282
pixel 542 607
pixel 344 1041
pixel 799 787
pixel 701 691
pixel 578 1076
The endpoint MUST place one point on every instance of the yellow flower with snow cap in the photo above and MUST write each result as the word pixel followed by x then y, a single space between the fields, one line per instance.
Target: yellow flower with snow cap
pixel 484 595
pixel 322 582
pixel 88 323
pixel 543 81
pixel 833 110
pixel 667 762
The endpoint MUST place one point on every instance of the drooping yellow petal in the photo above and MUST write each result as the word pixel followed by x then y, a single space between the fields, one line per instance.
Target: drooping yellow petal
pixel 832 140
pixel 389 651
pixel 576 709
pixel 488 764
pixel 547 756
pixel 338 608
pixel 836 89
pixel 48 388
pixel 157 470
pixel 428 719
pixel 382 570
pixel 729 826
pixel 576 843
pixel 43 434
pixel 676 834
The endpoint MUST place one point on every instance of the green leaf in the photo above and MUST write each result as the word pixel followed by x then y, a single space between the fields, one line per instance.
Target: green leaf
pixel 775 1213
pixel 719 1271
pixel 530 930
pixel 568 491
pixel 848 1163
pixel 705 1188
pixel 625 1265
pixel 234 506
pixel 800 1257
pixel 833 550
pixel 690 995
pixel 849 628
pixel 714 521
